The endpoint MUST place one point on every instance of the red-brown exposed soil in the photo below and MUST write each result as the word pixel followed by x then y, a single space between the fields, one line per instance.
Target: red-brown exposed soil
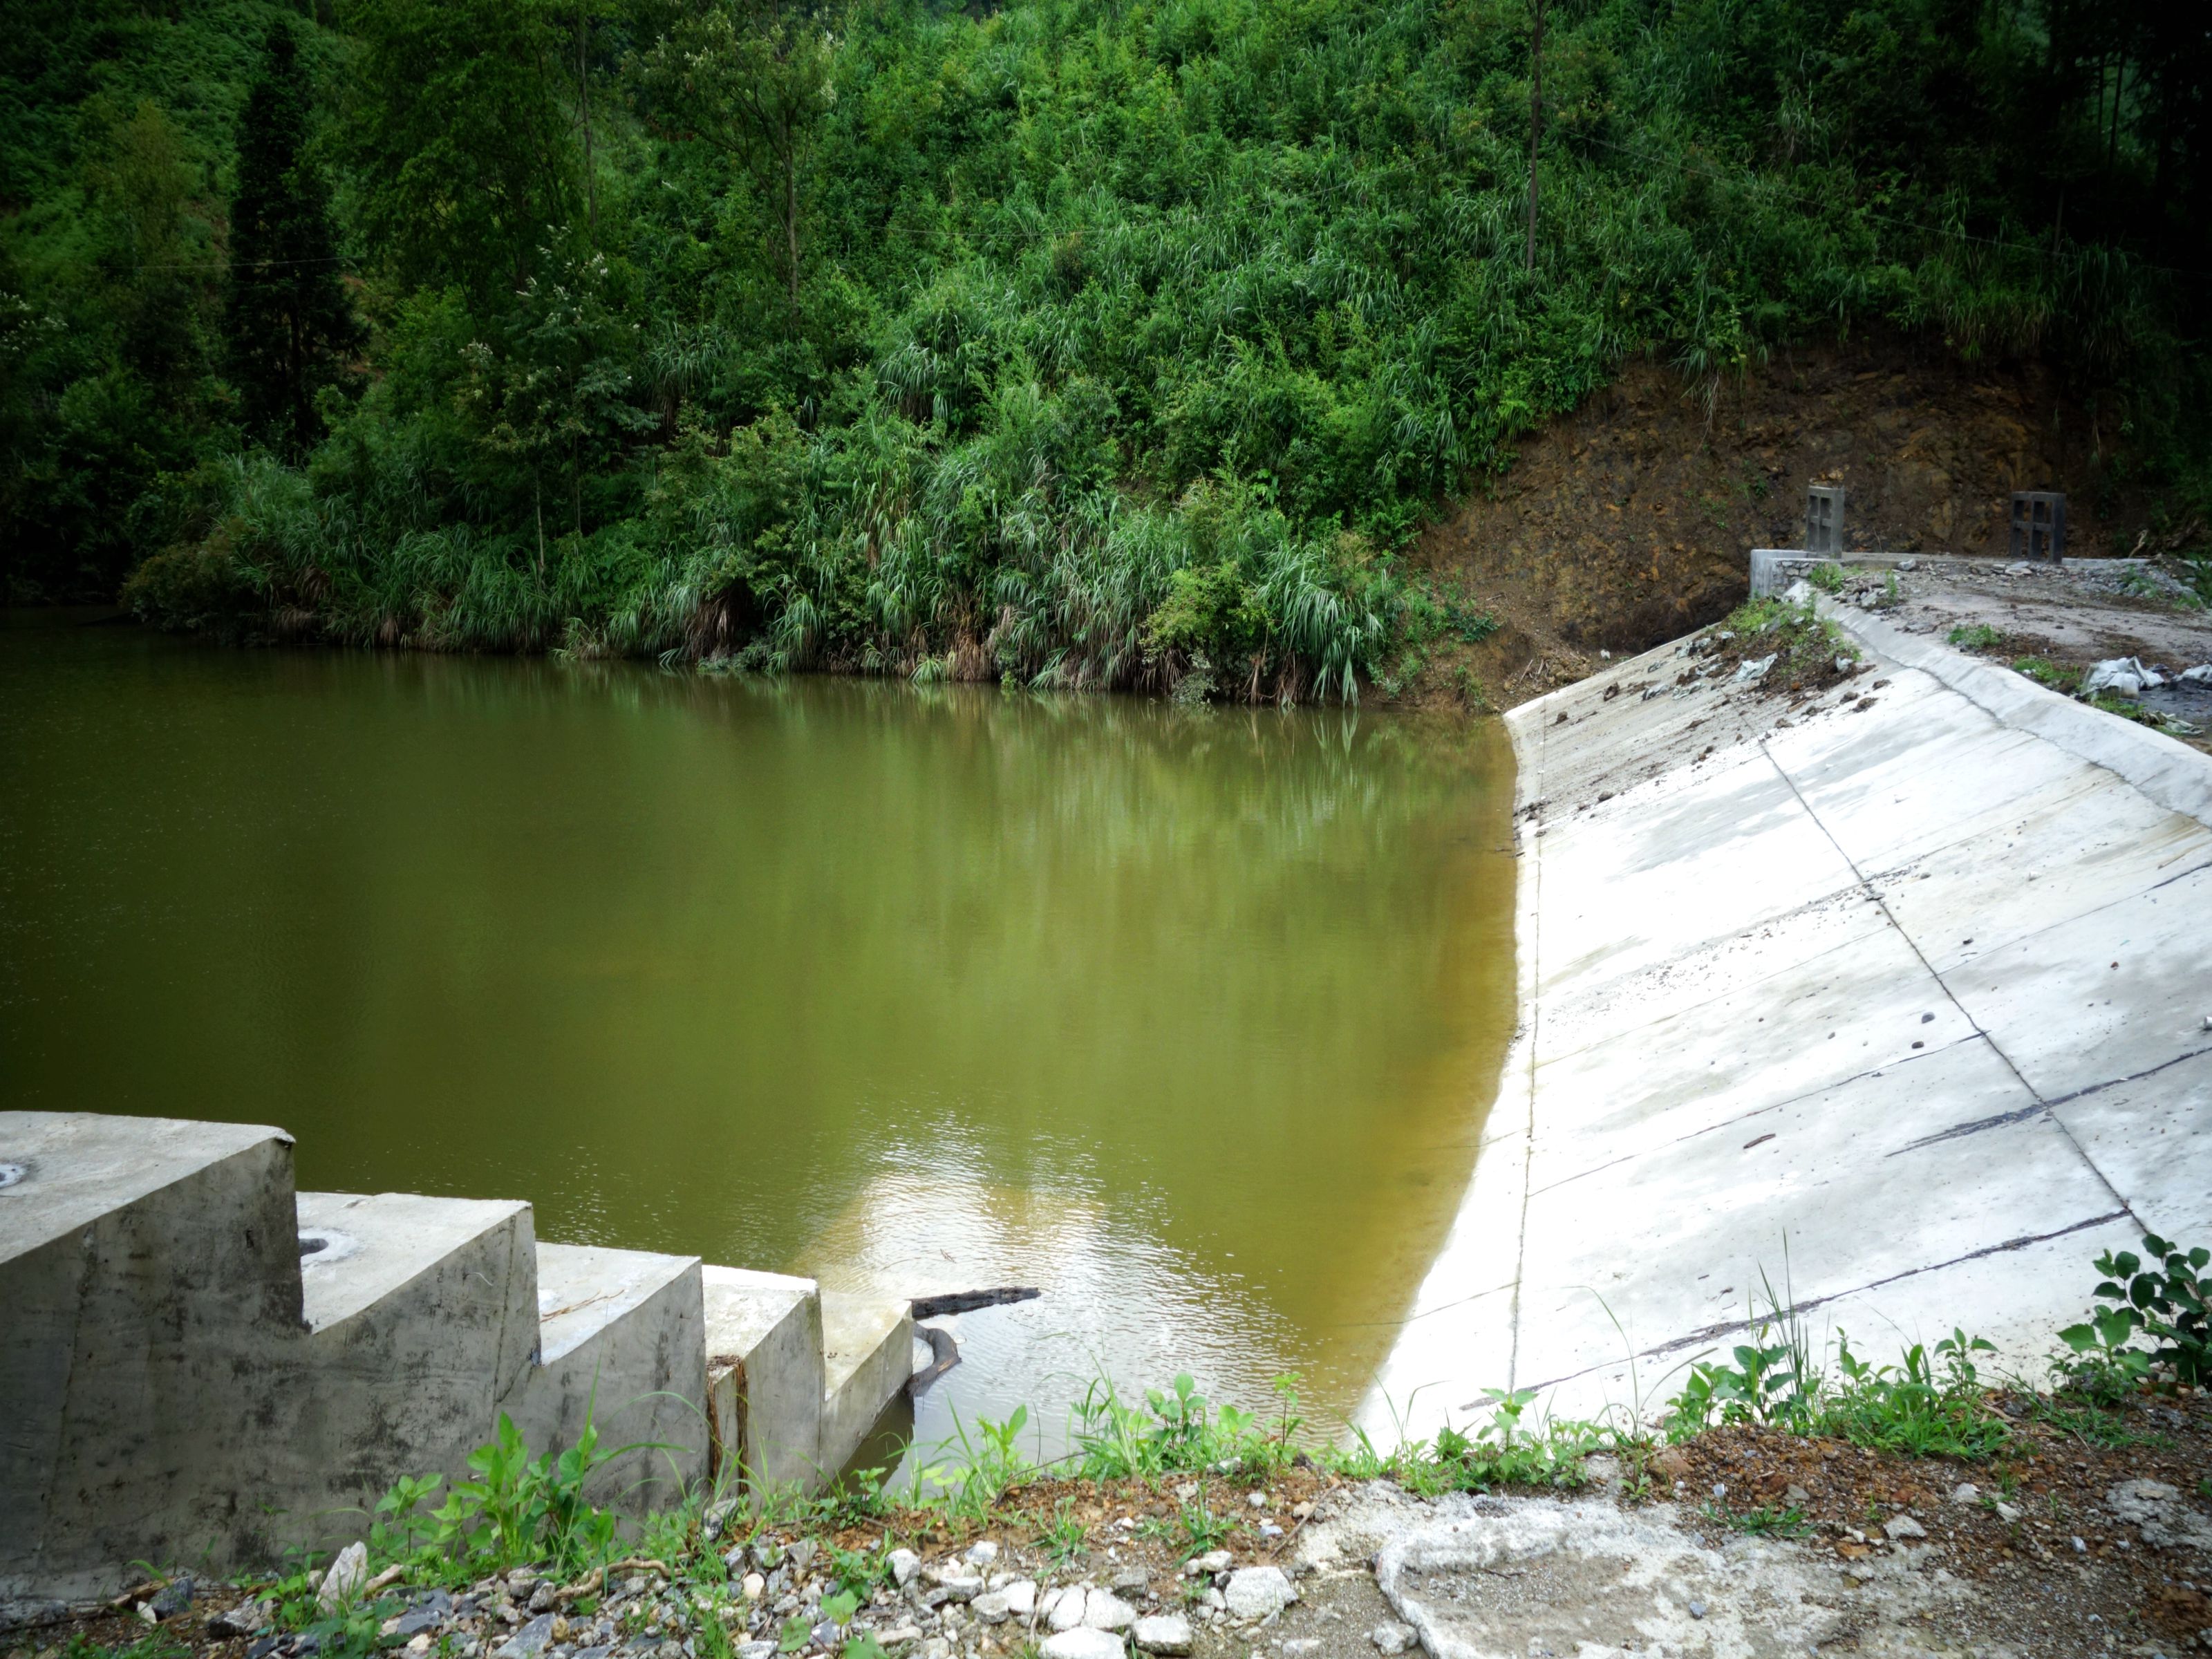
pixel 1631 522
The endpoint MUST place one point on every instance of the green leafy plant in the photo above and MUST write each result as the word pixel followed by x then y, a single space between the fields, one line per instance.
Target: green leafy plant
pixel 1768 1520
pixel 1975 637
pixel 1063 1537
pixel 2163 1298
pixel 1923 1408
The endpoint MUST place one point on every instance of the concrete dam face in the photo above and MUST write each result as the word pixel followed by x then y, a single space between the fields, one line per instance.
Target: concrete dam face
pixel 1898 1004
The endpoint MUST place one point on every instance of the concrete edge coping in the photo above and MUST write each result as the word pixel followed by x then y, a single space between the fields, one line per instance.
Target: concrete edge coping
pixel 2163 769
pixel 1773 567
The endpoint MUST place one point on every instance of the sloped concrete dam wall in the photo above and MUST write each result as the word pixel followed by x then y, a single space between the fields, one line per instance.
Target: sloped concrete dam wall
pixel 1902 1003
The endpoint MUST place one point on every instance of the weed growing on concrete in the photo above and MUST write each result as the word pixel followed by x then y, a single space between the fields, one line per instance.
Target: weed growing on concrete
pixel 1975 637
pixel 1828 578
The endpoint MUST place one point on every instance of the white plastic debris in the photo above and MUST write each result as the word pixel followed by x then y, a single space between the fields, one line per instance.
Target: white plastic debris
pixel 2124 677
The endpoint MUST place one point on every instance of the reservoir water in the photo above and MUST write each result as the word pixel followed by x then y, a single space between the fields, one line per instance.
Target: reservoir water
pixel 1189 1017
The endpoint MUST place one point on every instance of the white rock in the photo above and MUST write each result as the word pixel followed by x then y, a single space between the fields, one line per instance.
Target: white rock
pixel 1083 1644
pixel 1393 1637
pixel 1067 1613
pixel 346 1577
pixel 1103 1610
pixel 1966 1493
pixel 1904 1526
pixel 1022 1597
pixel 961 1586
pixel 1212 1561
pixel 754 1586
pixel 992 1609
pixel 1301 1647
pixel 1258 1500
pixel 1163 1634
pixel 1258 1592
pixel 904 1564
pixel 2007 1513
pixel 982 1553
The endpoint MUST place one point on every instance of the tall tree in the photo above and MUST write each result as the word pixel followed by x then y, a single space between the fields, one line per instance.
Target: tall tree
pixel 289 323
pixel 754 80
pixel 461 144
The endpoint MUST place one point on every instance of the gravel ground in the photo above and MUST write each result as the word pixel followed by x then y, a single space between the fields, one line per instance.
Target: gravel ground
pixel 2072 616
pixel 2091 1533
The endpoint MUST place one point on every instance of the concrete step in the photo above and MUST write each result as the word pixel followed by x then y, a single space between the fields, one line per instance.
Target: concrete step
pixel 621 1345
pixel 420 1314
pixel 764 1379
pixel 867 1353
pixel 147 1266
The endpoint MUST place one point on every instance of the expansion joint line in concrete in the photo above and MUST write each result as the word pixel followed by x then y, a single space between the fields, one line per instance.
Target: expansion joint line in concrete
pixel 1920 955
pixel 1796 1308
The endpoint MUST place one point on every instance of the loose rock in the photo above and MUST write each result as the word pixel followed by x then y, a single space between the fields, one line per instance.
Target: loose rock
pixel 1392 1637
pixel 1258 1592
pixel 1103 1610
pixel 173 1597
pixel 904 1564
pixel 1084 1644
pixel 1065 1611
pixel 1166 1633
pixel 530 1641
pixel 346 1577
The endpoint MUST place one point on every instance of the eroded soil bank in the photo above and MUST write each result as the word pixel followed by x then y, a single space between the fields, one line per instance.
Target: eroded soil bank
pixel 1631 522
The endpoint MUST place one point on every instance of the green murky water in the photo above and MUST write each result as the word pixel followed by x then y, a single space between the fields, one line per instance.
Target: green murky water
pixel 1189 1017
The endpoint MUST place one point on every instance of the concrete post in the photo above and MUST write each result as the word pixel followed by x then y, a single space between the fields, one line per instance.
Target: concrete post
pixel 1824 519
pixel 2039 524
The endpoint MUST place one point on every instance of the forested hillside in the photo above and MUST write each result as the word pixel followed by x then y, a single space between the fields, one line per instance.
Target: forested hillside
pixel 1089 341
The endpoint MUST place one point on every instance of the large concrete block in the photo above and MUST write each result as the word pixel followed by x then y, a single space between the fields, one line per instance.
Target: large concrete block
pixel 149 1272
pixel 622 1347
pixel 868 1356
pixel 422 1315
pixel 764 1377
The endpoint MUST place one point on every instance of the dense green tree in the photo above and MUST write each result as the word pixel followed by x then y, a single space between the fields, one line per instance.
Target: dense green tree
pixel 462 147
pixel 288 323
pixel 754 79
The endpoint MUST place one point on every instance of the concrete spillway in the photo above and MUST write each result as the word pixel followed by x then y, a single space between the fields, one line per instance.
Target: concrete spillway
pixel 1904 1010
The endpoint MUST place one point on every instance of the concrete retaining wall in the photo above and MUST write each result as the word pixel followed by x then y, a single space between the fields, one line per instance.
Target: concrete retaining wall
pixel 1904 1008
